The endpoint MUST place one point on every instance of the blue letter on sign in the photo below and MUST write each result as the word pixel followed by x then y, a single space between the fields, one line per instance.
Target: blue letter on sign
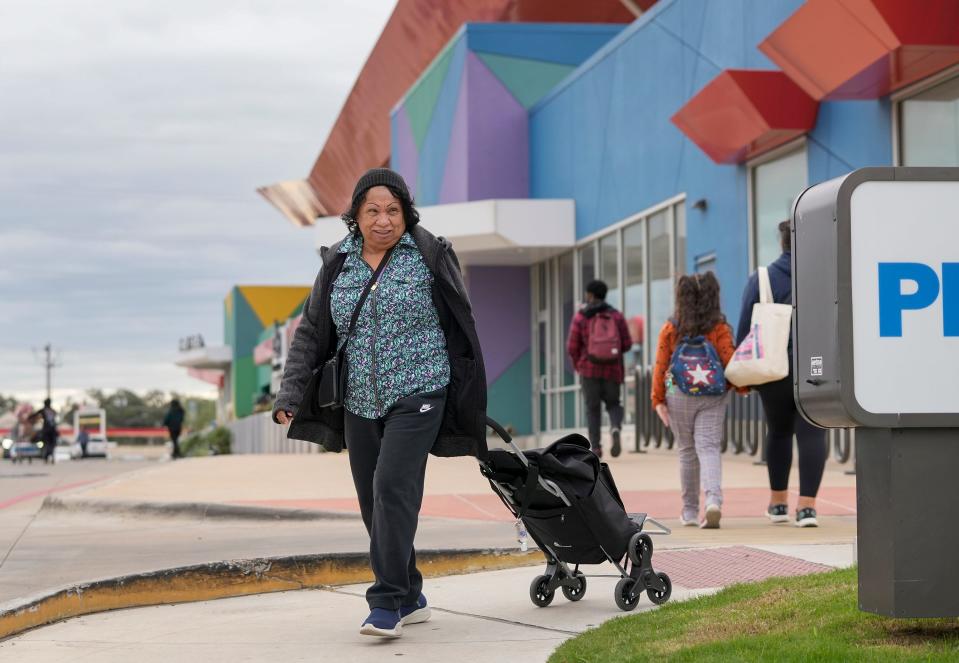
pixel 950 298
pixel 891 300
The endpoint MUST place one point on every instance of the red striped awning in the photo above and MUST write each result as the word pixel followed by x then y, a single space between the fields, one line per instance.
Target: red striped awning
pixel 743 112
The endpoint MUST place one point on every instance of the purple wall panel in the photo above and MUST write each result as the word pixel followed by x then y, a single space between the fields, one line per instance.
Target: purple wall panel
pixel 501 302
pixel 456 174
pixel 498 137
pixel 406 158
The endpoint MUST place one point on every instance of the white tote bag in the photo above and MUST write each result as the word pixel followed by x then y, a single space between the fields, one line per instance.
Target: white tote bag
pixel 763 356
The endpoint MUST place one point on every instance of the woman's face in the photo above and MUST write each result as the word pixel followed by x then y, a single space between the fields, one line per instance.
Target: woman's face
pixel 381 219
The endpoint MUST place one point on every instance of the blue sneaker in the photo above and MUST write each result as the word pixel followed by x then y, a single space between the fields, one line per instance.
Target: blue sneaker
pixel 417 613
pixel 384 623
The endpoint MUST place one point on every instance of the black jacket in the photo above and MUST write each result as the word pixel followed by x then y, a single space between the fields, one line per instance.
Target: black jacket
pixel 464 423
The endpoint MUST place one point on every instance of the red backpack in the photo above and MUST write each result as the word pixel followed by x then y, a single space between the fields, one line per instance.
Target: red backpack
pixel 603 346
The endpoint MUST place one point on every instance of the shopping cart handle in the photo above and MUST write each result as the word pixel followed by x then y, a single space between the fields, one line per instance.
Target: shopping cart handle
pixel 499 430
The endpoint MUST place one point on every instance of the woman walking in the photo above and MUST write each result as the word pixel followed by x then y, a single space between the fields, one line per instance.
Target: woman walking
pixel 783 421
pixel 390 296
pixel 689 392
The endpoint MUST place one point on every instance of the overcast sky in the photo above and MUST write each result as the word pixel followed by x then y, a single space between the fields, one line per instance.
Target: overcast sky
pixel 133 134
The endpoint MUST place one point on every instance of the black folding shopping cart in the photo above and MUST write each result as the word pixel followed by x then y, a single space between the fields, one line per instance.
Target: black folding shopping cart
pixel 565 496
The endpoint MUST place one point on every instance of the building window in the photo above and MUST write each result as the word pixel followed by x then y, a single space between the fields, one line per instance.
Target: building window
pixel 775 185
pixel 639 260
pixel 929 127
pixel 587 265
pixel 661 299
pixel 609 272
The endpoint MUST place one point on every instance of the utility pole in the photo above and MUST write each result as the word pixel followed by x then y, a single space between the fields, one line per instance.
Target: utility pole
pixel 49 363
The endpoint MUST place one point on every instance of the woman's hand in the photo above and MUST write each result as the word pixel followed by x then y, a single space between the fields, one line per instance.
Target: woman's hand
pixel 284 417
pixel 663 413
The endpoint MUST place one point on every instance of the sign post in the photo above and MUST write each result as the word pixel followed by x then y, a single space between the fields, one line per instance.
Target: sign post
pixel 875 264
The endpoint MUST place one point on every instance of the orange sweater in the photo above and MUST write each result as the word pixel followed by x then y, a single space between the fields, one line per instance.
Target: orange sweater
pixel 721 336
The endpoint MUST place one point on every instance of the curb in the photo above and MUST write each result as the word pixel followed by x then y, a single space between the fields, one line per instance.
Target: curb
pixel 208 510
pixel 242 577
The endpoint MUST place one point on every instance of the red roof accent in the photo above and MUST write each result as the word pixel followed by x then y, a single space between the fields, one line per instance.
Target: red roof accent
pixel 743 112
pixel 415 33
pixel 865 49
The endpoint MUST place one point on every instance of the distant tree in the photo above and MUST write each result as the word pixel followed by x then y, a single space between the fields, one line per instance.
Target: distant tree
pixel 127 409
pixel 7 403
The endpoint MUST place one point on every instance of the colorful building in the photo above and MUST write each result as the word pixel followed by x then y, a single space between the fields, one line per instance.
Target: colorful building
pixel 672 141
pixel 258 322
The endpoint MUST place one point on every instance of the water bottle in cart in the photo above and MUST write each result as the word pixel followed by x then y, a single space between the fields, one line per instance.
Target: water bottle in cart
pixel 521 535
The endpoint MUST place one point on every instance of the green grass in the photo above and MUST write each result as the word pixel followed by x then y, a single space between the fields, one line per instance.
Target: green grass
pixel 808 618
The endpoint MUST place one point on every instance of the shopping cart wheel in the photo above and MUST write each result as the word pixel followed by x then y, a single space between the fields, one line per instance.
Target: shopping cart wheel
pixel 539 592
pixel 577 592
pixel 658 597
pixel 640 548
pixel 627 598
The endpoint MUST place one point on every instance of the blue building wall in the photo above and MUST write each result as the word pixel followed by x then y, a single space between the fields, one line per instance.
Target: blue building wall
pixel 604 138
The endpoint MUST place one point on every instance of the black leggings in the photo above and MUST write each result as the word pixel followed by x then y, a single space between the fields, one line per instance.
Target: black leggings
pixel 783 421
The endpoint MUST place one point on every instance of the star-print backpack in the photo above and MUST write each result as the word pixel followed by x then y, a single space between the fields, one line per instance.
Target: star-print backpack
pixel 696 369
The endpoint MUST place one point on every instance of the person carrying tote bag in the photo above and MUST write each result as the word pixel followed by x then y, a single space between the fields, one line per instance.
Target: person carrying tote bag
pixel 763 355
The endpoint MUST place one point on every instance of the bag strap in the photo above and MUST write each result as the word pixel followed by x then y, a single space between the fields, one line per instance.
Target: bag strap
pixel 370 285
pixel 525 494
pixel 765 287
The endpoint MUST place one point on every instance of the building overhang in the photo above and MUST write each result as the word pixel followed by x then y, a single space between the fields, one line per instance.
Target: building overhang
pixel 836 49
pixel 208 357
pixel 295 199
pixel 742 113
pixel 491 232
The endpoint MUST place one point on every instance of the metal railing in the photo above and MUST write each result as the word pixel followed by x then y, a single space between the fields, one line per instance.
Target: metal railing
pixel 744 430
pixel 257 434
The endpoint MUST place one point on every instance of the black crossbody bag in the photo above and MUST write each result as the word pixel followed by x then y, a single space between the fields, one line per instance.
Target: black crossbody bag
pixel 331 390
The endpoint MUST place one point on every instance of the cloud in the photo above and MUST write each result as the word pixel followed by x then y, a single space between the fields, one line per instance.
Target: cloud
pixel 135 134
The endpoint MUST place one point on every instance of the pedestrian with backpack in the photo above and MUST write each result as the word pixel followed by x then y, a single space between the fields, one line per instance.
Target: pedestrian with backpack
pixel 689 392
pixel 598 337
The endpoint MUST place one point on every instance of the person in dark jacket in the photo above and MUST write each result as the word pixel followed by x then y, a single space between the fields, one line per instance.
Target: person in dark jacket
pixel 415 379
pixel 602 379
pixel 174 425
pixel 48 431
pixel 782 418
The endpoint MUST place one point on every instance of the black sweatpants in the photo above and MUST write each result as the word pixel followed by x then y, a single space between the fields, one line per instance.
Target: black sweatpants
pixel 388 461
pixel 783 421
pixel 175 438
pixel 597 391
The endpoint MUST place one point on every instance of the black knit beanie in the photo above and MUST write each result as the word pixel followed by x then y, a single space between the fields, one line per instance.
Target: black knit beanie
pixel 380 177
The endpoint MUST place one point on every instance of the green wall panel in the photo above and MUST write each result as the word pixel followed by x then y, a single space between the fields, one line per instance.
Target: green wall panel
pixel 508 399
pixel 248 326
pixel 244 386
pixel 527 80
pixel 422 98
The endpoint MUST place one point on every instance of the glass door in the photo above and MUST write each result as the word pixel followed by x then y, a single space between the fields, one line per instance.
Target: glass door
pixel 556 405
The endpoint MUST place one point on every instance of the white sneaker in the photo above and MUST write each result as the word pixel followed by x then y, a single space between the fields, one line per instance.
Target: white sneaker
pixel 713 514
pixel 692 522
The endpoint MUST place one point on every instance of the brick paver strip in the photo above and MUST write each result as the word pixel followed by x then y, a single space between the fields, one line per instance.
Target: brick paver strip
pixel 718 567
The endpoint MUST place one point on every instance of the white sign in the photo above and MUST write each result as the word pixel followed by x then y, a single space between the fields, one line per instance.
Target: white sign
pixel 905 296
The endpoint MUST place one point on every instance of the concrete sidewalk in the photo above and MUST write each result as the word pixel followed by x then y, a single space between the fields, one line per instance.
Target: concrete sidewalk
pixel 454 486
pixel 60 547
pixel 97 533
pixel 477 618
